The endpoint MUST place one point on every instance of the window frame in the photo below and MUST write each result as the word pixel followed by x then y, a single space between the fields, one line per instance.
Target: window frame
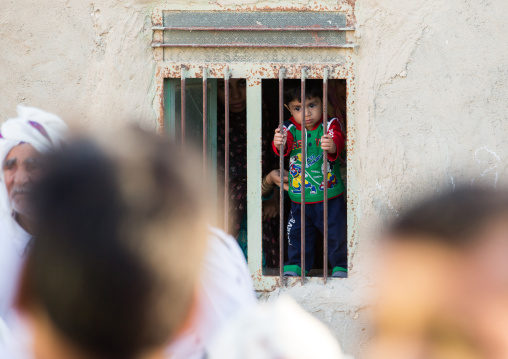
pixel 254 73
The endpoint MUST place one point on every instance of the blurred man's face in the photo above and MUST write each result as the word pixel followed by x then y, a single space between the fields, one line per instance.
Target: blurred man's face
pixel 22 167
pixel 439 301
pixel 420 312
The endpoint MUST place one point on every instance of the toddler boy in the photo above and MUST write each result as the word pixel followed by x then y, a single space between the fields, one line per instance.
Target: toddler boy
pixel 318 139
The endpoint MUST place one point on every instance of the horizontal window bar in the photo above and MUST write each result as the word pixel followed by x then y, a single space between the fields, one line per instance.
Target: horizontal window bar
pixel 267 19
pixel 267 70
pixel 311 45
pixel 249 38
pixel 253 28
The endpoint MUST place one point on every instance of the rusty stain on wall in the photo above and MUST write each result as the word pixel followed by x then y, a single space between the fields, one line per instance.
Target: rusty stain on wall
pixel 351 13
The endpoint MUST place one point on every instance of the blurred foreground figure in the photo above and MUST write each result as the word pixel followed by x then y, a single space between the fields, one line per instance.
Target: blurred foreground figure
pixel 225 290
pixel 276 330
pixel 23 141
pixel 121 234
pixel 444 283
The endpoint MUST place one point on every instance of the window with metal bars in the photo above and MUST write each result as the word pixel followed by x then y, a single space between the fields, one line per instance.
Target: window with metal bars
pixel 200 107
pixel 195 115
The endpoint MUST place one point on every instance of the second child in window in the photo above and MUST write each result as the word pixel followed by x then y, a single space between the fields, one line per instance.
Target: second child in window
pixel 318 139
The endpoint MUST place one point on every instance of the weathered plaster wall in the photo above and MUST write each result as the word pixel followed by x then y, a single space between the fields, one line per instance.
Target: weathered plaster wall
pixel 86 60
pixel 431 113
pixel 431 108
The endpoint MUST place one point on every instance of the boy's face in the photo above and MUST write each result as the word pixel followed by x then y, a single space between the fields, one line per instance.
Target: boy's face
pixel 313 111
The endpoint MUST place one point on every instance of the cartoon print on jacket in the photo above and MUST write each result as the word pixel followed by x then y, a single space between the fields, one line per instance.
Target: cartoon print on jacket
pixel 295 169
pixel 332 179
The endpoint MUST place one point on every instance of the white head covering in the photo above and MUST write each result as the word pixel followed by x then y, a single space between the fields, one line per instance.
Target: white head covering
pixel 278 329
pixel 43 130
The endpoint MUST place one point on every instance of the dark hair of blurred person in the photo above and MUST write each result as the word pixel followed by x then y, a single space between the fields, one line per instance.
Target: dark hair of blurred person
pixel 444 283
pixel 121 232
pixel 456 218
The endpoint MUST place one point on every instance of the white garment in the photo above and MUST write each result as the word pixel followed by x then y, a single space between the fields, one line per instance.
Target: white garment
pixel 44 131
pixel 15 341
pixel 13 241
pixel 226 289
pixel 14 335
pixel 277 329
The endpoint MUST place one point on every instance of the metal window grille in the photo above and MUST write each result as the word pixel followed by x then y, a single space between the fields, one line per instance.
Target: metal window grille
pixel 176 23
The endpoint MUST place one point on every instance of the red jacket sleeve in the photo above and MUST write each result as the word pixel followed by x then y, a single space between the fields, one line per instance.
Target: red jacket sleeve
pixel 334 130
pixel 289 144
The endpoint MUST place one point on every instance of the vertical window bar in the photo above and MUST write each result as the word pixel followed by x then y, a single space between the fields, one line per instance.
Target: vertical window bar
pixel 304 164
pixel 325 174
pixel 281 174
pixel 182 105
pixel 205 115
pixel 226 151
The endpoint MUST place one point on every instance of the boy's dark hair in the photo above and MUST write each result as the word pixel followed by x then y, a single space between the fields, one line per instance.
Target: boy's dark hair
pixel 120 236
pixel 454 218
pixel 293 90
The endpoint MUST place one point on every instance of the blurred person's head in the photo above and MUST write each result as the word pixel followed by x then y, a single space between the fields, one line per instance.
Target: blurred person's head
pixel 23 140
pixel 470 221
pixel 237 94
pixel 445 269
pixel 121 231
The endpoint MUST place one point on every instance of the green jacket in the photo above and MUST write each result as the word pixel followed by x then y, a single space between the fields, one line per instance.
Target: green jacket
pixel 314 180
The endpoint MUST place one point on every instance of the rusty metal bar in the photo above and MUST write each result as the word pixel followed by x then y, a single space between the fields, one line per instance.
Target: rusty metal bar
pixel 251 28
pixel 205 118
pixel 304 164
pixel 182 105
pixel 226 151
pixel 281 174
pixel 325 174
pixel 303 46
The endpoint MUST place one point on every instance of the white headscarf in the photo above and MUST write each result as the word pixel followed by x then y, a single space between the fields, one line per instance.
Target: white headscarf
pixel 43 130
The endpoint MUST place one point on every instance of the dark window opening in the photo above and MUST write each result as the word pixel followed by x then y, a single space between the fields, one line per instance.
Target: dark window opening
pixel 231 194
pixel 337 108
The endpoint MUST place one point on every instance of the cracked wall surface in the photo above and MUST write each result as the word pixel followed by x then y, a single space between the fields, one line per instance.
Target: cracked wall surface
pixel 431 108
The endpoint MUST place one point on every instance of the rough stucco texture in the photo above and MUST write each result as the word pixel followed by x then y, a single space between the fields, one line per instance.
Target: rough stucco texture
pixel 431 113
pixel 431 108
pixel 89 61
